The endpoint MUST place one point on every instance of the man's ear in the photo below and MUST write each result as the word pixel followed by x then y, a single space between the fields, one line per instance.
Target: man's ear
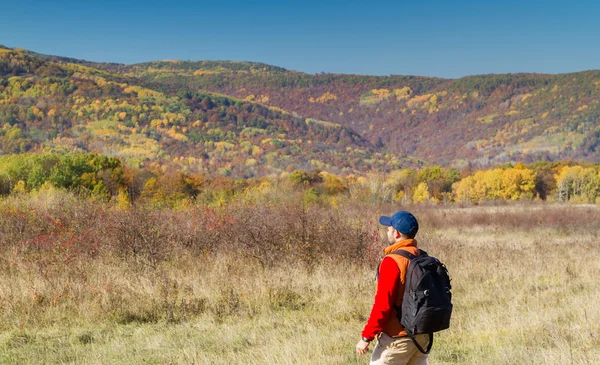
pixel 397 234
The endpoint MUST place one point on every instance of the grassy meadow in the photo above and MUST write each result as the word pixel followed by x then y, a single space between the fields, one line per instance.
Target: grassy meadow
pixel 274 279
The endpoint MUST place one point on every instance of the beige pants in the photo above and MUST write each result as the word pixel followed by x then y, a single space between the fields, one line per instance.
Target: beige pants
pixel 399 351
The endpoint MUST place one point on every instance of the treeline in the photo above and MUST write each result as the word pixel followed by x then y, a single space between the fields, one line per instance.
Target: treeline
pixel 108 178
pixel 548 181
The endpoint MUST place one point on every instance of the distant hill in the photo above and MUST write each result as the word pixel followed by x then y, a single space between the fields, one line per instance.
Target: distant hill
pixel 50 104
pixel 486 119
pixel 253 119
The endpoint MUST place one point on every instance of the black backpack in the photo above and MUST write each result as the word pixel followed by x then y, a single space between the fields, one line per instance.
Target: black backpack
pixel 426 306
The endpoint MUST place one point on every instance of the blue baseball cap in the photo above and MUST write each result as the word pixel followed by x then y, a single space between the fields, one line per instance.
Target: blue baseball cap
pixel 402 221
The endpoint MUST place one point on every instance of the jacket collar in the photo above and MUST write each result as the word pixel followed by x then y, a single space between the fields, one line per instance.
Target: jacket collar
pixel 404 243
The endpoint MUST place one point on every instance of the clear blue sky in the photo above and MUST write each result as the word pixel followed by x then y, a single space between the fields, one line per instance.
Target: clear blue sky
pixel 431 38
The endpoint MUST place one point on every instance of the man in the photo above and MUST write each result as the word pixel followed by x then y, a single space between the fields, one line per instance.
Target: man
pixel 393 344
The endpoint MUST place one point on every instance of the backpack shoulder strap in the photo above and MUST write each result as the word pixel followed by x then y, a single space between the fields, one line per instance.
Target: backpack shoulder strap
pixel 403 253
pixel 400 252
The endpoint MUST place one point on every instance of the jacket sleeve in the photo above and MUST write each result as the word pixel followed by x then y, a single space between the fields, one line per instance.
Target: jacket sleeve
pixel 387 290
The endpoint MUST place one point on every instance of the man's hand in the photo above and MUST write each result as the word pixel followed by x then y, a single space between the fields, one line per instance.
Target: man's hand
pixel 362 347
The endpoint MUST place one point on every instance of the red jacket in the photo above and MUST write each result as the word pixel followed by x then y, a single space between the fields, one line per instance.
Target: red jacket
pixel 390 291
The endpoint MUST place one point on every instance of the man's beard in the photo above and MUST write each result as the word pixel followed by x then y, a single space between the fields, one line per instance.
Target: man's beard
pixel 390 239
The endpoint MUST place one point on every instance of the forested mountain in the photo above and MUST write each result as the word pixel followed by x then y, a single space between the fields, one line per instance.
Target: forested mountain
pixel 54 105
pixel 252 119
pixel 486 119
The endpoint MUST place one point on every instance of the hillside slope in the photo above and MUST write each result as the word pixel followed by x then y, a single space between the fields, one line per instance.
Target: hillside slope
pixel 253 119
pixel 487 119
pixel 52 104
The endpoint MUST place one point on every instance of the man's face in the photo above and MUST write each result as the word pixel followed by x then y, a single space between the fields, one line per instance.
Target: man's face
pixel 391 234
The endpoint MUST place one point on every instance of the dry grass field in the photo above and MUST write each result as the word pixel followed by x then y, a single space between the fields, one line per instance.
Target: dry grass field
pixel 285 283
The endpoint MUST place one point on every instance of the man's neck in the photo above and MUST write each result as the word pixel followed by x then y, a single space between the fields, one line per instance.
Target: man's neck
pixel 400 243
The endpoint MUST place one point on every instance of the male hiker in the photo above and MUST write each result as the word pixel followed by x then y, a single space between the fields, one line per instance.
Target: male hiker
pixel 393 344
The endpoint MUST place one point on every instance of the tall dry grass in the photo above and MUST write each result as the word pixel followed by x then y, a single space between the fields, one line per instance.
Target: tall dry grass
pixel 272 279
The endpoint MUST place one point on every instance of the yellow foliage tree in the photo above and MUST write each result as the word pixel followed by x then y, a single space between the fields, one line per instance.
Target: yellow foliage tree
pixel 403 93
pixel 518 184
pixel 20 187
pixel 333 184
pixel 575 183
pixel 509 184
pixel 122 200
pixel 421 193
pixel 491 186
pixel 326 97
pixel 418 100
pixel 463 189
